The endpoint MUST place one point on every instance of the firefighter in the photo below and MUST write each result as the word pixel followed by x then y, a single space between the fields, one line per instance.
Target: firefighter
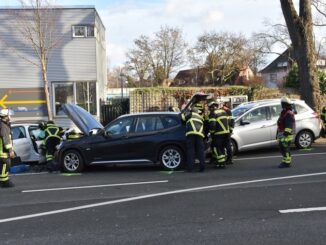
pixel 323 118
pixel 210 122
pixel 53 135
pixel 6 148
pixel 195 136
pixel 219 128
pixel 285 131
pixel 228 146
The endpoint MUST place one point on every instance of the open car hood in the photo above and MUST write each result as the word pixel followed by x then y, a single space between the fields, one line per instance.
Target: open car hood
pixel 82 118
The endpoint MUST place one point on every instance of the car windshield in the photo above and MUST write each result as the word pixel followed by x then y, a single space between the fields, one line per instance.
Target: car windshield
pixel 239 110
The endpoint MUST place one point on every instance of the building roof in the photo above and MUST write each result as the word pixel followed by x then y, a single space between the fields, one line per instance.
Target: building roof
pixel 273 66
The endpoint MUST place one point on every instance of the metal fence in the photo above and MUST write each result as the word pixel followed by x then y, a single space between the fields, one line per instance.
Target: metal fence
pixel 114 109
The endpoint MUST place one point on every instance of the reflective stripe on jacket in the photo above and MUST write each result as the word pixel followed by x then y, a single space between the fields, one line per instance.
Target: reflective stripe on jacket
pixel 219 123
pixel 194 123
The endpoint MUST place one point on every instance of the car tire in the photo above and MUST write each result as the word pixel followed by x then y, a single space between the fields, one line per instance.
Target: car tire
pixel 72 162
pixel 171 158
pixel 304 139
pixel 234 147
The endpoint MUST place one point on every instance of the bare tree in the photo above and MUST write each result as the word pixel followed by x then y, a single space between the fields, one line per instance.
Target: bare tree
pixel 225 54
pixel 300 27
pixel 171 47
pixel 36 23
pixel 138 59
pixel 158 57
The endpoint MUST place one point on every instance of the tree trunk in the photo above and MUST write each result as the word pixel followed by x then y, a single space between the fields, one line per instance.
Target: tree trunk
pixel 300 28
pixel 46 90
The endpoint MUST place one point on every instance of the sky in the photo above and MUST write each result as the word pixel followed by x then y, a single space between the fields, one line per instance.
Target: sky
pixel 126 20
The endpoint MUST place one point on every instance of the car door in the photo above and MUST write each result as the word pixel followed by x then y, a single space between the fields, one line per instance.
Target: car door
pixel 253 129
pixel 114 145
pixel 36 136
pixel 146 136
pixel 274 113
pixel 21 144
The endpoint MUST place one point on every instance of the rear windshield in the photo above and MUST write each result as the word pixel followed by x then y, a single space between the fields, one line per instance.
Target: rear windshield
pixel 239 110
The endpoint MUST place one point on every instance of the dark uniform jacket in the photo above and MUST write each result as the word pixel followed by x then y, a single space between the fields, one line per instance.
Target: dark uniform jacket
pixel 286 125
pixel 323 115
pixel 219 123
pixel 5 140
pixel 194 123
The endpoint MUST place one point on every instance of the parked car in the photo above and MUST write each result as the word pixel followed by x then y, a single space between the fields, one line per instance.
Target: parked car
pixel 256 124
pixel 152 137
pixel 26 141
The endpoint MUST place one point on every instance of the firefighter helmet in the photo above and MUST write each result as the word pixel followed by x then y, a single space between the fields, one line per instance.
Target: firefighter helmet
pixel 286 102
pixel 6 112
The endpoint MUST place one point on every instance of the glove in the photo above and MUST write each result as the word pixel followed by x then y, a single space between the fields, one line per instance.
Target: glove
pixel 11 154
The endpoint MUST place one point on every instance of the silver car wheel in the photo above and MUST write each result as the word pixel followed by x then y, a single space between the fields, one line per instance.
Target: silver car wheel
pixel 71 161
pixel 305 140
pixel 171 158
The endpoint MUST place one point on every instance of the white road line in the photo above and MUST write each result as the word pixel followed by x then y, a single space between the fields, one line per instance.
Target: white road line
pixel 301 210
pixel 22 174
pixel 153 195
pixel 278 156
pixel 96 186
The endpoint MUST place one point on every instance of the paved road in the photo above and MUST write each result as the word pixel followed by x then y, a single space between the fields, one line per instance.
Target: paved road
pixel 250 202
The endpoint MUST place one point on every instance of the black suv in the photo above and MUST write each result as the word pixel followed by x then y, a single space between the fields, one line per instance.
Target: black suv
pixel 153 137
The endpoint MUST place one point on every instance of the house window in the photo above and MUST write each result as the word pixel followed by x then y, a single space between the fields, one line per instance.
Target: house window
pixel 86 96
pixel 80 93
pixel 321 62
pixel 273 77
pixel 282 64
pixel 63 93
pixel 83 31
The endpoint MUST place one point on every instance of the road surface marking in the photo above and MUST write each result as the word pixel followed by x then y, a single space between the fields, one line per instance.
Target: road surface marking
pixel 301 210
pixel 277 156
pixel 129 199
pixel 96 186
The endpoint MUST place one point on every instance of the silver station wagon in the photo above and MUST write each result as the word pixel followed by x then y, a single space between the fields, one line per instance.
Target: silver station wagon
pixel 256 124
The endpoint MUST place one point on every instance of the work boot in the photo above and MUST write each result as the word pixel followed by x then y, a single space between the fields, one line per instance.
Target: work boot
pixel 284 165
pixel 7 184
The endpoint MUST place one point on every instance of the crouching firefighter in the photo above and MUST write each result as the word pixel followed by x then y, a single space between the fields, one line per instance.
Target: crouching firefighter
pixel 195 136
pixel 219 128
pixel 6 150
pixel 285 131
pixel 53 135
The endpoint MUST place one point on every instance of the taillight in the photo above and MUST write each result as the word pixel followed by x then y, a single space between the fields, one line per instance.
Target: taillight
pixel 315 114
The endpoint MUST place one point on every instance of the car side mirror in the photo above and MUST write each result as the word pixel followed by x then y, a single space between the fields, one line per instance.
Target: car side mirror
pixel 243 122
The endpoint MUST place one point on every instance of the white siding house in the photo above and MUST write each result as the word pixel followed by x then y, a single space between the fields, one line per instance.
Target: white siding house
pixel 76 66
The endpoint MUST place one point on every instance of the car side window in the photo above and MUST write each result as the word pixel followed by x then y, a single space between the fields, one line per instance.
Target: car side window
pixel 18 133
pixel 148 124
pixel 121 126
pixel 275 111
pixel 170 122
pixel 36 132
pixel 256 115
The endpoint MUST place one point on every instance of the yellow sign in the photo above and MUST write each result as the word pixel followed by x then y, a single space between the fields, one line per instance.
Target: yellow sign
pixel 4 102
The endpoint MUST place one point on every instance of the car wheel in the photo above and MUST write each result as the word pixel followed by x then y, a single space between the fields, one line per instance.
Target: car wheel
pixel 171 158
pixel 72 162
pixel 304 139
pixel 234 147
